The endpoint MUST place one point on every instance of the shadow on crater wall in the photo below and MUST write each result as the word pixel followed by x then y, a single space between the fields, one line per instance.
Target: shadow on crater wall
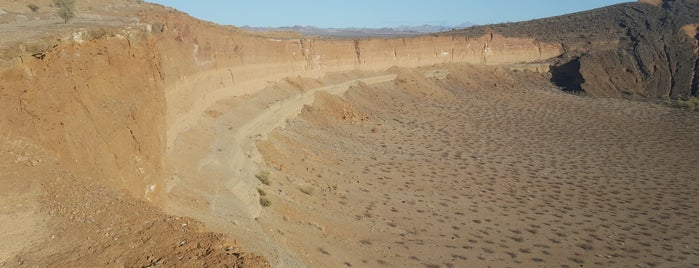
pixel 567 76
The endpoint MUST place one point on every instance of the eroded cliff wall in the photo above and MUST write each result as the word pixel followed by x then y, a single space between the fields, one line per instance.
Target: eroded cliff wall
pixel 204 63
pixel 96 104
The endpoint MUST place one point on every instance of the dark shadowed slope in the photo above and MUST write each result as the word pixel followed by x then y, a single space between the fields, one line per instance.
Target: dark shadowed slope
pixel 632 49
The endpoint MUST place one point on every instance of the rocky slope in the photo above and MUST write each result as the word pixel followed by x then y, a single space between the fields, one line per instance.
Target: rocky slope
pixel 645 49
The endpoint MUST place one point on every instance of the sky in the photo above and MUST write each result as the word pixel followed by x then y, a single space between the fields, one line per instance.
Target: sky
pixel 376 13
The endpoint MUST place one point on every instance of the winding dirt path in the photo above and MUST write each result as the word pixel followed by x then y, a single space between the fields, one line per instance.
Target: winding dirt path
pixel 216 160
pixel 275 115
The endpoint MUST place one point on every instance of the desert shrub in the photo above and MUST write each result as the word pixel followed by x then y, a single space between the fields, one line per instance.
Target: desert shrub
pixel 263 177
pixel 687 103
pixel 33 7
pixel 66 9
pixel 261 192
pixel 265 202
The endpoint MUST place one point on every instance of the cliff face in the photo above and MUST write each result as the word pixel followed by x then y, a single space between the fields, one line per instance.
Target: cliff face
pixel 98 105
pixel 633 49
pixel 204 63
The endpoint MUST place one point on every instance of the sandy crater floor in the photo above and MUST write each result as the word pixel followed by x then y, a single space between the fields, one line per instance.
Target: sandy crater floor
pixel 464 166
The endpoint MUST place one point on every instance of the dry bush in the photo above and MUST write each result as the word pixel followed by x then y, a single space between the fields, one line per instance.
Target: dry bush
pixel 66 9
pixel 34 8
pixel 265 202
pixel 263 177
pixel 688 103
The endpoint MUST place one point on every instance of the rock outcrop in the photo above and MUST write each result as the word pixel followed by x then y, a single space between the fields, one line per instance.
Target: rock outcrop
pixel 626 50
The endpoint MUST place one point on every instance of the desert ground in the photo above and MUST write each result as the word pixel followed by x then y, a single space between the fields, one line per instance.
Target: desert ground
pixel 459 165
pixel 464 166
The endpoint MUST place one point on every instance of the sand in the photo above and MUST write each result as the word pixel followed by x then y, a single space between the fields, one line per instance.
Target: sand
pixel 483 167
pixel 53 218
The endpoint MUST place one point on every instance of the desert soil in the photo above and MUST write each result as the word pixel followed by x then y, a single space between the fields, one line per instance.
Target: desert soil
pixel 52 218
pixel 463 166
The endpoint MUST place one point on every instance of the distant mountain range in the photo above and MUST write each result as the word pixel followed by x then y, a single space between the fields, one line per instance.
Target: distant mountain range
pixel 362 32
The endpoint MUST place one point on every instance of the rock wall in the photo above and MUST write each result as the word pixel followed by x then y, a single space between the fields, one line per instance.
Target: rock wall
pixel 97 104
pixel 204 63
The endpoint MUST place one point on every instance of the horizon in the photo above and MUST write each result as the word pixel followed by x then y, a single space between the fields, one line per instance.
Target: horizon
pixel 376 14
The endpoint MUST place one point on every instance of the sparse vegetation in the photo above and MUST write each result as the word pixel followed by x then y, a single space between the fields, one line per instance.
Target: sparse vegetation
pixel 66 9
pixel 265 202
pixel 34 8
pixel 263 177
pixel 688 103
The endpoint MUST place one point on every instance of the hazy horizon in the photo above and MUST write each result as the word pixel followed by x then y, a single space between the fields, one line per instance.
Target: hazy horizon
pixel 377 14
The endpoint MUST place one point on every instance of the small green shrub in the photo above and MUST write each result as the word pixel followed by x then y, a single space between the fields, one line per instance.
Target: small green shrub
pixel 687 103
pixel 263 177
pixel 261 192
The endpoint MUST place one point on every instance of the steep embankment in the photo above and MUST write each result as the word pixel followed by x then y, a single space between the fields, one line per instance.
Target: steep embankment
pixel 97 104
pixel 631 49
pixel 82 130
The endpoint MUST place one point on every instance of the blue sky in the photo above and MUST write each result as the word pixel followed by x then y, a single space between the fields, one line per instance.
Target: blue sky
pixel 376 13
